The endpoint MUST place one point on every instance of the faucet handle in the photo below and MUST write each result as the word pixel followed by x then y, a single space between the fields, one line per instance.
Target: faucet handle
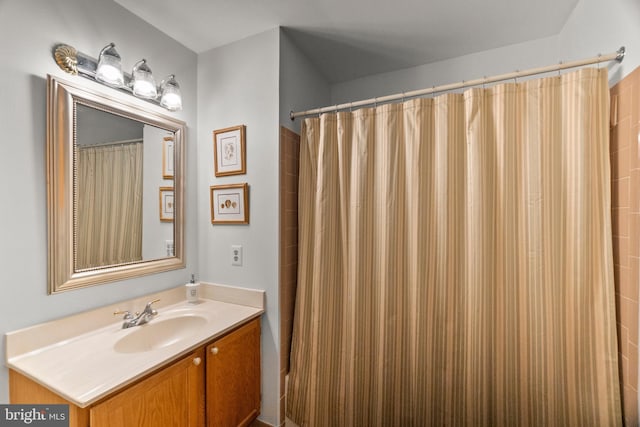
pixel 149 309
pixel 127 314
pixel 152 302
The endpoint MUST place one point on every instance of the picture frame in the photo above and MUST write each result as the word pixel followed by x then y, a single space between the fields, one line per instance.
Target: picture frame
pixel 168 157
pixel 230 204
pixel 229 151
pixel 166 204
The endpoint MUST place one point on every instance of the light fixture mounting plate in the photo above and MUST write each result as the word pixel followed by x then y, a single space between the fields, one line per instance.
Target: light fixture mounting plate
pixel 67 58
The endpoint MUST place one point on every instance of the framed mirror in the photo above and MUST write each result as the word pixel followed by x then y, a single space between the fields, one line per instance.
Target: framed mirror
pixel 115 186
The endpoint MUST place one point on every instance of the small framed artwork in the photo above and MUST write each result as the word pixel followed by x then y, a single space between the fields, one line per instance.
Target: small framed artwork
pixel 167 157
pixel 229 155
pixel 166 204
pixel 230 204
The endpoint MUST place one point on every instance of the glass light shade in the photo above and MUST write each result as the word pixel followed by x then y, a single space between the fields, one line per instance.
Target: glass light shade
pixel 144 85
pixel 109 69
pixel 170 96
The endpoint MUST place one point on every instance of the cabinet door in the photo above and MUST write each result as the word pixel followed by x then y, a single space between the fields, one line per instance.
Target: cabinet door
pixel 173 396
pixel 233 377
pixel 23 390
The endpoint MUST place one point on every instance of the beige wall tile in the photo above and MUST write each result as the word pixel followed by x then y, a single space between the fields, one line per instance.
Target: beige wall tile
pixel 620 193
pixel 634 191
pixel 634 147
pixel 620 163
pixel 623 339
pixel 634 278
pixel 624 361
pixel 629 318
pixel 634 226
pixel 625 198
pixel 621 219
pixel 625 103
pixel 633 367
pixel 621 251
pixel 289 157
pixel 627 288
pixel 630 406
pixel 613 139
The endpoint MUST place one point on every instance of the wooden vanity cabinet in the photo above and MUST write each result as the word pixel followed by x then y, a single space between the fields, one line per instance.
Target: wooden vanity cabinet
pixel 23 390
pixel 172 397
pixel 233 377
pixel 176 395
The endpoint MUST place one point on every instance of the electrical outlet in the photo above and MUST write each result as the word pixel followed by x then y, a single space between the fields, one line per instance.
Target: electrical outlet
pixel 236 255
pixel 168 244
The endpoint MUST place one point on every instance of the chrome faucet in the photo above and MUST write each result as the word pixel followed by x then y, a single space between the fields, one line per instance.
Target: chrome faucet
pixel 141 318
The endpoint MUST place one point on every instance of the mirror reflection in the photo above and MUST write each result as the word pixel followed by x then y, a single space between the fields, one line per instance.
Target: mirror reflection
pixel 119 169
pixel 115 187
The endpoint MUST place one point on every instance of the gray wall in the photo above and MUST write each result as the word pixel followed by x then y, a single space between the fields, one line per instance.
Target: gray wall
pixel 238 85
pixel 302 87
pixel 29 30
pixel 244 83
pixel 594 27
pixel 99 127
pixel 154 232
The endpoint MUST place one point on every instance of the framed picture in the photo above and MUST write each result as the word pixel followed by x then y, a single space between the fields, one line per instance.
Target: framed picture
pixel 166 204
pixel 167 157
pixel 230 204
pixel 229 155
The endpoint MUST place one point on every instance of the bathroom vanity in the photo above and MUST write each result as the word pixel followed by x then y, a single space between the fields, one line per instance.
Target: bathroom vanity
pixel 192 365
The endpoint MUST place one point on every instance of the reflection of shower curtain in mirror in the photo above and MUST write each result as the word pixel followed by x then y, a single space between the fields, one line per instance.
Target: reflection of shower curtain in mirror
pixel 455 263
pixel 109 215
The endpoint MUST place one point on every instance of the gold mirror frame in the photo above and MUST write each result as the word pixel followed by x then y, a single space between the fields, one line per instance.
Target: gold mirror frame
pixel 62 96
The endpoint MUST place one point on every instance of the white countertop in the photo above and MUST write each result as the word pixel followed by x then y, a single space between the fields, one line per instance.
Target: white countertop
pixel 84 368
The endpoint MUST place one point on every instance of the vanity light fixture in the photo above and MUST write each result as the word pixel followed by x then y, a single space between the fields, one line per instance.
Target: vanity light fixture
pixel 170 97
pixel 144 85
pixel 107 69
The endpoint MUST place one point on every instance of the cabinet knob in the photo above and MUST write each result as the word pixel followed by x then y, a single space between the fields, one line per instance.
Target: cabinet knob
pixel 214 350
pixel 197 361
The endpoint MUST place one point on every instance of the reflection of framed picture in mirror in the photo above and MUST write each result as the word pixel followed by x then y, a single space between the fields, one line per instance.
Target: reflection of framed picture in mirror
pixel 229 155
pixel 166 204
pixel 167 157
pixel 230 204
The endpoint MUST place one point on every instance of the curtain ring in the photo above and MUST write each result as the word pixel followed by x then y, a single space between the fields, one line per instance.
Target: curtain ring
pixel 599 59
pixel 351 107
pixel 515 78
pixel 375 102
pixel 403 97
pixel 484 83
pixel 559 66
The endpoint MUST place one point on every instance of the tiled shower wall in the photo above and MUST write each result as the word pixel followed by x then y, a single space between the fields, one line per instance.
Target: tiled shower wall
pixel 289 155
pixel 625 204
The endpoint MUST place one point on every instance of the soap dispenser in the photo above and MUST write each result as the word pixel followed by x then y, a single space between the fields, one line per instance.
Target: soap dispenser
pixel 192 290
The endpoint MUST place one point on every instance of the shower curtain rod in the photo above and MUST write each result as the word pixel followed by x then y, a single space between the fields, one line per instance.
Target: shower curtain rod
pixel 618 56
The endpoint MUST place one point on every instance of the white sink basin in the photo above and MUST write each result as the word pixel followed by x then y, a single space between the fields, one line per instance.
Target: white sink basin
pixel 159 333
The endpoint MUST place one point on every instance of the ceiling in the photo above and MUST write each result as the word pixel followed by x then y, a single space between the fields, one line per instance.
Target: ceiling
pixel 347 39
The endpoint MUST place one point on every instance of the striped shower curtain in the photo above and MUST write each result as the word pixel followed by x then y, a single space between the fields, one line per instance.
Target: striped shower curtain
pixel 456 262
pixel 109 205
